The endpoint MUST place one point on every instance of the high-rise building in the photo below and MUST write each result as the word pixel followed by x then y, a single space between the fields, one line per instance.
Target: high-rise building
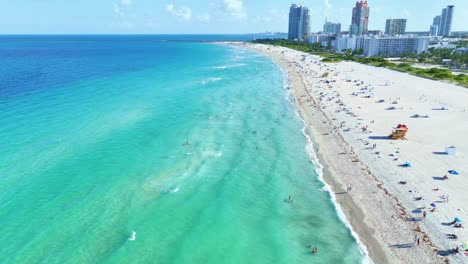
pixel 395 27
pixel 434 31
pixel 360 19
pixel 382 46
pixel 445 27
pixel 299 22
pixel 394 46
pixel 330 28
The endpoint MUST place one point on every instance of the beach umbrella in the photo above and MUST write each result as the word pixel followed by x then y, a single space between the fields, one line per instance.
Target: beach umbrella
pixel 458 220
pixel 453 172
pixel 433 205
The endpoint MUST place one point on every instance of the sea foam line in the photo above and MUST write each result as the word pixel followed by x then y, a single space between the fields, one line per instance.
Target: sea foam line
pixel 309 148
pixel 230 66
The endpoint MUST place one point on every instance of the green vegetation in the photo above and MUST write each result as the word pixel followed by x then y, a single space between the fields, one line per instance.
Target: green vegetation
pixel 431 56
pixel 462 44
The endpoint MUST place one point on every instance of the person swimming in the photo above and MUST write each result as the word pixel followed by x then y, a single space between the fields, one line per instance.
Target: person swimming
pixel 315 250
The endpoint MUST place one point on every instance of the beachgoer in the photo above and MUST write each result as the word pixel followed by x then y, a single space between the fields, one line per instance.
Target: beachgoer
pixel 424 214
pixel 315 250
pixel 445 177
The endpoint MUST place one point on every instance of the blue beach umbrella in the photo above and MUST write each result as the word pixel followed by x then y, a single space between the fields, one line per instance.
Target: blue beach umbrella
pixel 433 205
pixel 458 220
pixel 453 172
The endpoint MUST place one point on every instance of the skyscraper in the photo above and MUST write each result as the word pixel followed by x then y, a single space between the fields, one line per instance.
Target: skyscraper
pixel 434 31
pixel 360 19
pixel 395 27
pixel 331 28
pixel 299 22
pixel 445 27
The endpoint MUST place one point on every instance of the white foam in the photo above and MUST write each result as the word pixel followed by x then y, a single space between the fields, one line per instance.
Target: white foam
pixel 174 190
pixel 211 80
pixel 133 237
pixel 223 67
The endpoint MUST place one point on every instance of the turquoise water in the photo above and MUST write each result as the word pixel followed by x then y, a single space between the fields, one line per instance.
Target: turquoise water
pixel 194 147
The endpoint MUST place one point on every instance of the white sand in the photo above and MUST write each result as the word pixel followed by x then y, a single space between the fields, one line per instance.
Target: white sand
pixel 383 212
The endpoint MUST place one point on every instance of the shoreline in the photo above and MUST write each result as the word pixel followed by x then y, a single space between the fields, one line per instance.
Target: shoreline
pixel 376 209
pixel 323 171
pixel 375 254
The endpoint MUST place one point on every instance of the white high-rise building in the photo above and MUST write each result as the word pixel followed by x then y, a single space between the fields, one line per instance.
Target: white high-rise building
pixel 382 46
pixel 299 22
pixel 394 46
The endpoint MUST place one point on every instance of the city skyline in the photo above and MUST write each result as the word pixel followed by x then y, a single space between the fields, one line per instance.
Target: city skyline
pixel 206 16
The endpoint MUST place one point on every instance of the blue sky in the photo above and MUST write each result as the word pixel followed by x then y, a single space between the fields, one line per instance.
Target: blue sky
pixel 205 16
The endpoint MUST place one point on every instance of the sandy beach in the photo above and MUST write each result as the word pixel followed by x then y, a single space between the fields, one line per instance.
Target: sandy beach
pixel 402 214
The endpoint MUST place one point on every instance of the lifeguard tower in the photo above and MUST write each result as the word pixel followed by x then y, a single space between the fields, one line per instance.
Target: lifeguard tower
pixel 399 132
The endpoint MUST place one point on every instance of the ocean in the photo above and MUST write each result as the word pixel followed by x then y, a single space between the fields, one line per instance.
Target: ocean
pixel 132 149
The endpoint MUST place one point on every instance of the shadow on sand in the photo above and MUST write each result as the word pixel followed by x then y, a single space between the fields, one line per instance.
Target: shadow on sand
pixel 380 138
pixel 408 245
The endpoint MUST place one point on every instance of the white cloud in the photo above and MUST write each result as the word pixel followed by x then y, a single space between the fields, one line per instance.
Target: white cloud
pixel 235 8
pixel 170 8
pixel 118 11
pixel 119 8
pixel 126 2
pixel 182 12
pixel 204 18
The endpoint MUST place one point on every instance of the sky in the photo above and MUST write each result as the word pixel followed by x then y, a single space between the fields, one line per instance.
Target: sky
pixel 206 16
